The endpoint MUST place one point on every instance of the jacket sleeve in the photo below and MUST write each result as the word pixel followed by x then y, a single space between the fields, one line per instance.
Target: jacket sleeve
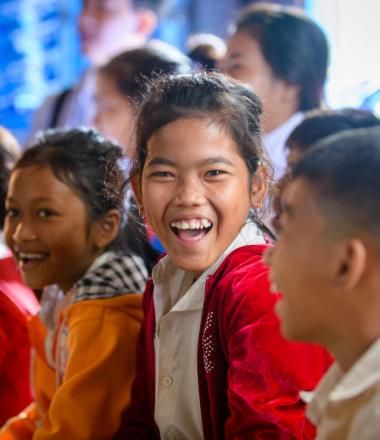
pixel 265 372
pixel 99 371
pixel 138 420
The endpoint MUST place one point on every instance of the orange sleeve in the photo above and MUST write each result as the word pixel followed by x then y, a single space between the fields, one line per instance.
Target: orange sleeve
pixel 100 368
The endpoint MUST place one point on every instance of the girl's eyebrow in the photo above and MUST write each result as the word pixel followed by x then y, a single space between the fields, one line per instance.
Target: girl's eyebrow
pixel 160 161
pixel 218 159
pixel 209 161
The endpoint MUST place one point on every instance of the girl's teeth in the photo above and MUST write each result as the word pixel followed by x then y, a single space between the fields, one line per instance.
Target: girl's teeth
pixel 192 224
pixel 30 256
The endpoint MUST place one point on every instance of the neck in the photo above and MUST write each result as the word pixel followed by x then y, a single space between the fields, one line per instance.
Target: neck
pixel 276 116
pixel 347 352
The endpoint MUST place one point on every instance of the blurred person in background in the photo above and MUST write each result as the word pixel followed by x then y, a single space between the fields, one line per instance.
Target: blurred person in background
pixel 120 85
pixel 317 125
pixel 206 50
pixel 283 55
pixel 17 303
pixel 106 28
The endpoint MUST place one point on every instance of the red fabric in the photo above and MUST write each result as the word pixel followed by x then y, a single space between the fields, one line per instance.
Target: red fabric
pixel 249 383
pixel 16 301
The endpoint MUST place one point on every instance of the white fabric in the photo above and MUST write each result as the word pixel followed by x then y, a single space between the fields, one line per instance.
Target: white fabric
pixel 178 301
pixel 349 403
pixel 274 143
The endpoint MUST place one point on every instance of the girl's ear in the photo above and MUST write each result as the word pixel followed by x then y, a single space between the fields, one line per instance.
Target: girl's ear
pixel 136 187
pixel 259 187
pixel 106 228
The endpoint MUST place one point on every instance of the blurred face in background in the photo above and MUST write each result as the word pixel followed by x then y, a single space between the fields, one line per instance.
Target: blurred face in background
pixel 115 114
pixel 108 27
pixel 245 62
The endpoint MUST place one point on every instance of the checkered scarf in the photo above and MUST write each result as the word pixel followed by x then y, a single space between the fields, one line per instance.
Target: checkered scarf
pixel 116 275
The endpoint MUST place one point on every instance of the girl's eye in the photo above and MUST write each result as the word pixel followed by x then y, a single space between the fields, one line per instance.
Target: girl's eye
pixel 162 174
pixel 44 213
pixel 212 173
pixel 11 212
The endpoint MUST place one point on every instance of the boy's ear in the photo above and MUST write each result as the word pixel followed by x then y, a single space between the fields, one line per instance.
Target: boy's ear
pixel 106 228
pixel 351 266
pixel 259 187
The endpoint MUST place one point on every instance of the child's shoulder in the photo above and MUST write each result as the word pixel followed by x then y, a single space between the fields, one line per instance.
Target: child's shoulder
pixel 117 311
pixel 242 278
pixel 243 260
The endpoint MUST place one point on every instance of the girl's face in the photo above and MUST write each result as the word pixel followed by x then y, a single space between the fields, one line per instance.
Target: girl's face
pixel 47 229
pixel 115 114
pixel 195 191
pixel 245 61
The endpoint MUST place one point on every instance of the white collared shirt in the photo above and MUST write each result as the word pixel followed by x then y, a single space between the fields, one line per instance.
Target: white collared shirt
pixel 178 301
pixel 347 405
pixel 274 143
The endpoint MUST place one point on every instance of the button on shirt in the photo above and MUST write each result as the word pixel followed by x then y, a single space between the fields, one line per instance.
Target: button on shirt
pixel 178 301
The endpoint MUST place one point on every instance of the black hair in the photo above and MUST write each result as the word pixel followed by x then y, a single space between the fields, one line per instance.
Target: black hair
pixel 7 160
pixel 228 103
pixel 206 50
pixel 85 161
pixel 132 68
pixel 293 45
pixel 344 171
pixel 319 124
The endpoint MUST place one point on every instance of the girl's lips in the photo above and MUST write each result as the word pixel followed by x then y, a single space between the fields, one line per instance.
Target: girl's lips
pixel 26 265
pixel 29 261
pixel 191 230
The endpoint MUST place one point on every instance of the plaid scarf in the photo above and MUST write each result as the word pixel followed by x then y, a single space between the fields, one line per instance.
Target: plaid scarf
pixel 111 275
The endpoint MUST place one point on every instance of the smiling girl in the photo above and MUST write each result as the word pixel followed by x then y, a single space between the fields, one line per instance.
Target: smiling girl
pixel 63 211
pixel 211 361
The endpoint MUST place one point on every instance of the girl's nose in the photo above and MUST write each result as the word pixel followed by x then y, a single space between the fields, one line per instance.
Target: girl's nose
pixel 23 232
pixel 189 193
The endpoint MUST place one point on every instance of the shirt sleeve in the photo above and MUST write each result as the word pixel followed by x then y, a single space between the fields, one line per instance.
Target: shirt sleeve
pixel 265 372
pixel 96 385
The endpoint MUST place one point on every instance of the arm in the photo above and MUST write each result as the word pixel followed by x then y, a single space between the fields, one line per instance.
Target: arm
pixel 98 374
pixel 138 420
pixel 265 372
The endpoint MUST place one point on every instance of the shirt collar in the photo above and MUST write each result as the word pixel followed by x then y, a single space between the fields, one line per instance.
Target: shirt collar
pixel 274 143
pixel 337 386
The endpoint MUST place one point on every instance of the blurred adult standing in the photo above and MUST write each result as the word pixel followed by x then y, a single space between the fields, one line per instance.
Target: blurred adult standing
pixel 106 28
pixel 283 55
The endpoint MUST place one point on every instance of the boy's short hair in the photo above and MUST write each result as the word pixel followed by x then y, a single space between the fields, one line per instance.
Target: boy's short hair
pixel 319 124
pixel 344 171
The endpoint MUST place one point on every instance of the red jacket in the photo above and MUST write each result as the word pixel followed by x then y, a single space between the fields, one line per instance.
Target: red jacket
pixel 249 383
pixel 17 302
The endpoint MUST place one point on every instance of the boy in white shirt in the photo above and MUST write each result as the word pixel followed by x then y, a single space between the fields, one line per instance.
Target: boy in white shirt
pixel 327 264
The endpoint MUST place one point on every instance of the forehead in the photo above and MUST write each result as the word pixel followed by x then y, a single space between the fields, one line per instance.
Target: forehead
pixel 242 43
pixel 34 181
pixel 108 4
pixel 197 134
